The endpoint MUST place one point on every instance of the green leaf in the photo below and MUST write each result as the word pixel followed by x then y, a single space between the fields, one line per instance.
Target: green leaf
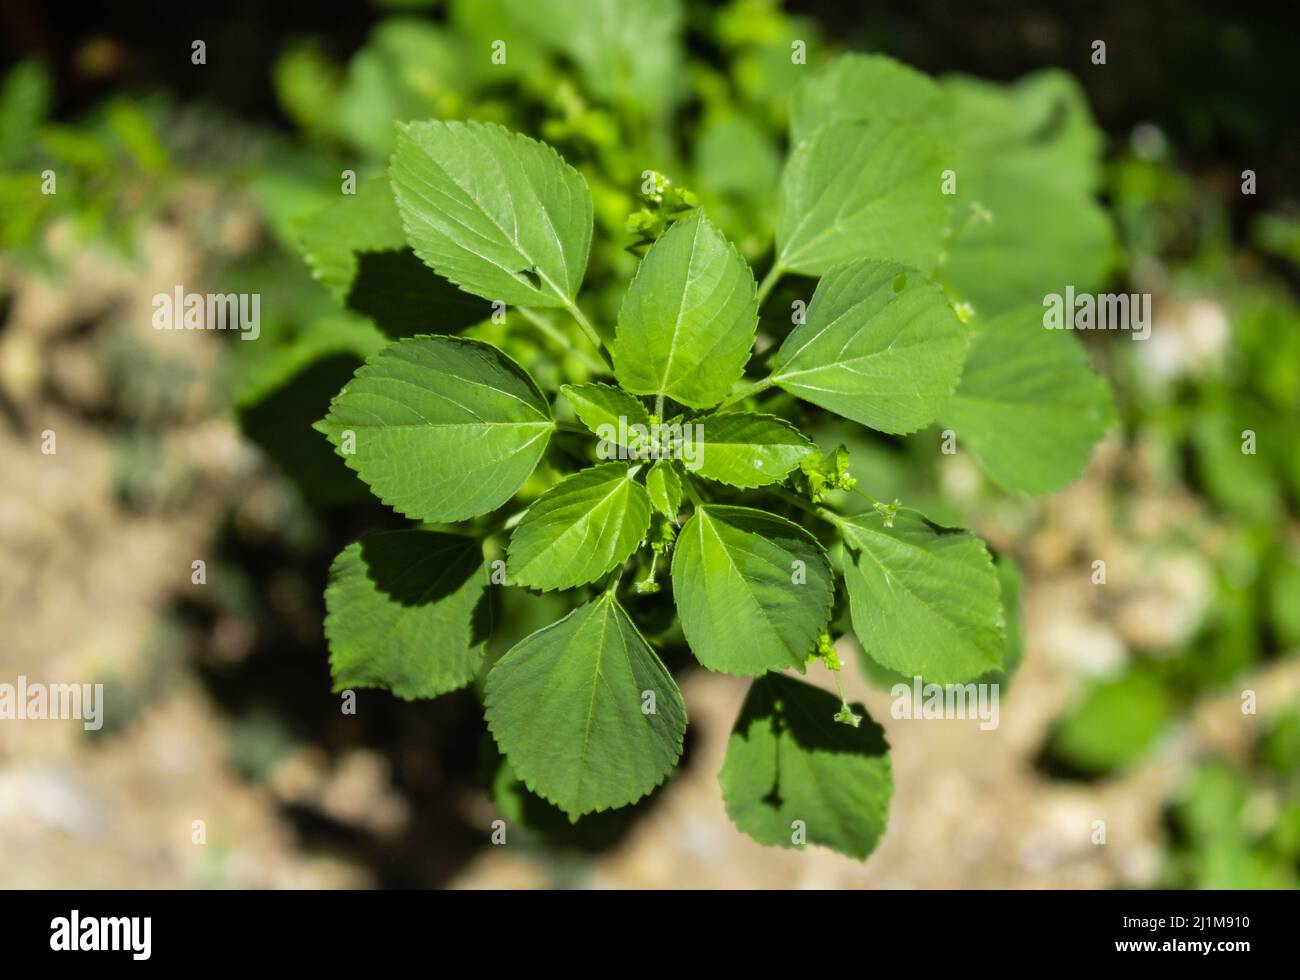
pixel 1010 583
pixel 880 345
pixel 1029 155
pixel 579 529
pixel 735 155
pixel 870 88
pixel 356 248
pixel 570 708
pixel 1029 405
pixel 743 449
pixel 627 51
pixel 1038 131
pixel 753 590
pixel 445 428
pixel 790 766
pixel 1114 723
pixel 1038 240
pixel 664 485
pixel 400 613
pixel 499 214
pixel 860 191
pixel 407 69
pixel 24 102
pixel 603 406
pixel 688 319
pixel 924 599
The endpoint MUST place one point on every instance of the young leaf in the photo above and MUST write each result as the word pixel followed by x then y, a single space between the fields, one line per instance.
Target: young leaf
pixel 744 449
pixel 753 590
pixel 400 610
pixel 579 529
pixel 924 599
pixel 604 405
pixel 1028 404
pixel 790 765
pixel 497 213
pixel 859 191
pixel 869 88
pixel 441 428
pixel 689 317
pixel 585 712
pixel 664 485
pixel 880 345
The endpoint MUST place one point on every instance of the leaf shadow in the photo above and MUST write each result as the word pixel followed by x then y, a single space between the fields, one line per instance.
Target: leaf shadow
pixel 418 567
pixel 806 714
pixel 404 297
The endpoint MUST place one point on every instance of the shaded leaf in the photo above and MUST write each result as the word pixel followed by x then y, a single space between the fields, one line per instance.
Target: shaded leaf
pixel 400 613
pixel 925 600
pixel 790 767
pixel 356 248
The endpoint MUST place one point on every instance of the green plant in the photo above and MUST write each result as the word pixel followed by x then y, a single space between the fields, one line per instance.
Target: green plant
pixel 669 448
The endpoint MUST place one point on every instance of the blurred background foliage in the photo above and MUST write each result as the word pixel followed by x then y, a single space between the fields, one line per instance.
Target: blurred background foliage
pixel 294 94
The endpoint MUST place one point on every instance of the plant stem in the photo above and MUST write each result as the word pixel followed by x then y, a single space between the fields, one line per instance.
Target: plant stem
pixel 506 524
pixel 866 496
pixel 691 492
pixel 551 331
pixel 976 215
pixel 615 577
pixel 827 515
pixel 753 389
pixel 769 282
pixel 585 325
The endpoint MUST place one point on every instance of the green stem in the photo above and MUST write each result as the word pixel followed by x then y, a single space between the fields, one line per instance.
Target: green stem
pixel 744 393
pixel 866 496
pixel 829 516
pixel 839 686
pixel 977 214
pixel 584 324
pixel 691 492
pixel 769 282
pixel 650 574
pixel 551 331
pixel 506 524
pixel 615 577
